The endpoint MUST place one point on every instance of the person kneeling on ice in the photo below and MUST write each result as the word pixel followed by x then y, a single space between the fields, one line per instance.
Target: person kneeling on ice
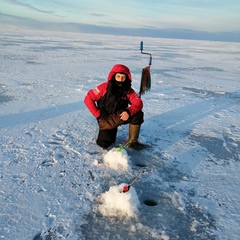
pixel 114 103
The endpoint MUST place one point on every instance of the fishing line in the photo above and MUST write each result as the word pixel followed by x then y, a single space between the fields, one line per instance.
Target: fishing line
pixel 17 188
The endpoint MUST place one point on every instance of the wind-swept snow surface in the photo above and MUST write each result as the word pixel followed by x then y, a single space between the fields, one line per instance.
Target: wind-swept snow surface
pixel 55 183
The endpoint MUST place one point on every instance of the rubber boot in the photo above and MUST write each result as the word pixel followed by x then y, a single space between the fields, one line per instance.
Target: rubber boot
pixel 132 142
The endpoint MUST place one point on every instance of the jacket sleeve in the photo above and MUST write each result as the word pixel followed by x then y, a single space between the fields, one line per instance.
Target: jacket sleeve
pixel 136 103
pixel 92 97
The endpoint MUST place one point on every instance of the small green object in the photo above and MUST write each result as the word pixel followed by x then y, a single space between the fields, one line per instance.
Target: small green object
pixel 120 148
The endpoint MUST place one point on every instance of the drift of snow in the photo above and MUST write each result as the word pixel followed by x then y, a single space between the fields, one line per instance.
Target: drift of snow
pixel 117 203
pixel 114 202
pixel 117 160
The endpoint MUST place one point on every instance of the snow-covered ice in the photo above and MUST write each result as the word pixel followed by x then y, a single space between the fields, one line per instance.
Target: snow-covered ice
pixel 55 183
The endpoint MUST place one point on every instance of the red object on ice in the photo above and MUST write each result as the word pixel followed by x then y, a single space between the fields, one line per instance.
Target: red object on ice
pixel 125 189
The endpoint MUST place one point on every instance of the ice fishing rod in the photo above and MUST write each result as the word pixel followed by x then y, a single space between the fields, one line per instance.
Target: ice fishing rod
pixel 126 188
pixel 141 49
pixel 122 146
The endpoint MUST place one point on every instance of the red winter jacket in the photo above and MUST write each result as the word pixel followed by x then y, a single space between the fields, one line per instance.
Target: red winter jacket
pixel 95 94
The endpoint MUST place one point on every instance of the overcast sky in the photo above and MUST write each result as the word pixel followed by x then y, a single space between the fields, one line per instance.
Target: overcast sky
pixel 125 16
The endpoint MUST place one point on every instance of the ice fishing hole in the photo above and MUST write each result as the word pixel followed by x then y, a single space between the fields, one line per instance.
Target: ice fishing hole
pixel 150 203
pixel 140 165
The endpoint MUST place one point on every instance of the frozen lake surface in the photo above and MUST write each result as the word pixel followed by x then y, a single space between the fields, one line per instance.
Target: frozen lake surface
pixel 54 180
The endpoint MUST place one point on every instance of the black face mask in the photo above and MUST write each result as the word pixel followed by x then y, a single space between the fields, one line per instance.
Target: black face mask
pixel 123 87
pixel 118 84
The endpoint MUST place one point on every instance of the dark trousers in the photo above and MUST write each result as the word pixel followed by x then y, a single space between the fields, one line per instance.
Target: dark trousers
pixel 107 137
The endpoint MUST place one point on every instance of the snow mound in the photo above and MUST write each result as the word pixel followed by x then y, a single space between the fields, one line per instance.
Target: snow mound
pixel 117 160
pixel 116 203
